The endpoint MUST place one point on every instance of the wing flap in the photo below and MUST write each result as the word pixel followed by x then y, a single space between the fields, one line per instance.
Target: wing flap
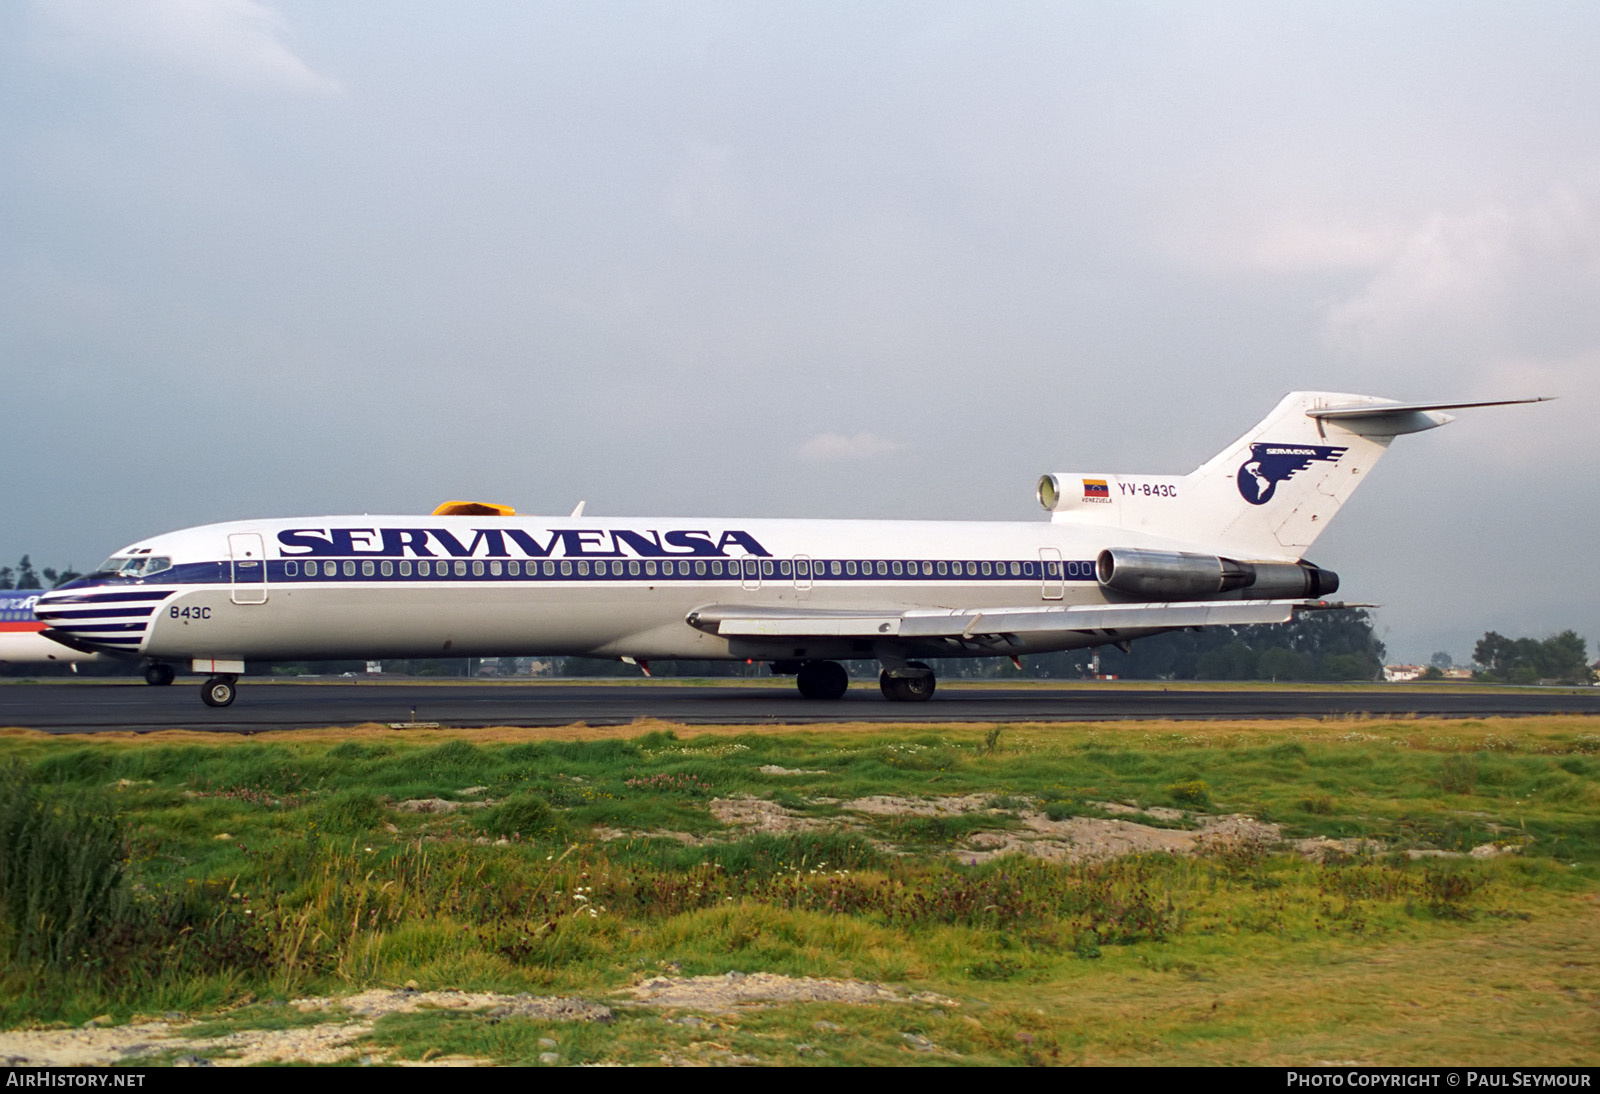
pixel 767 622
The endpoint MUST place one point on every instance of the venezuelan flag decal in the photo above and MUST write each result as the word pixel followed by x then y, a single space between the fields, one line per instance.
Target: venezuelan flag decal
pixel 1096 490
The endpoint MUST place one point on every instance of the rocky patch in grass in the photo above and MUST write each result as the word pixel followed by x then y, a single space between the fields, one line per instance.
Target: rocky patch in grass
pixel 331 1042
pixel 1031 831
pixel 437 805
pixel 736 989
pixel 760 815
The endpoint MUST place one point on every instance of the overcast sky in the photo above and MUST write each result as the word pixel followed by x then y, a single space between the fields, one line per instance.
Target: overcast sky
pixel 810 259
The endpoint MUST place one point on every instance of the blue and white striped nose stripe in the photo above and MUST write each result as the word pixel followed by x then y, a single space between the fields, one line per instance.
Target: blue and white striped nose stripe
pixel 111 620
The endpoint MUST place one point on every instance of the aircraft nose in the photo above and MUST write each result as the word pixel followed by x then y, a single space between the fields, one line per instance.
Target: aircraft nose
pixel 104 617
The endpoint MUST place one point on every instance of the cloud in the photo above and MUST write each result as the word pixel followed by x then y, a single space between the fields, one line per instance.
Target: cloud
pixel 1502 278
pixel 706 191
pixel 236 41
pixel 836 447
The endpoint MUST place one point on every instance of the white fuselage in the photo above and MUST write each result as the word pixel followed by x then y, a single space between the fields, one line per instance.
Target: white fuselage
pixel 413 587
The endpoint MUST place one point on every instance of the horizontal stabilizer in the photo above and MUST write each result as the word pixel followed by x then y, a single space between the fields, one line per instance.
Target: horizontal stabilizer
pixel 1379 410
pixel 1395 419
pixel 764 622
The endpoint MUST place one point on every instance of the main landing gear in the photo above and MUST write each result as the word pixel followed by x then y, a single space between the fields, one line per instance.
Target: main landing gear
pixel 904 682
pixel 218 691
pixel 913 683
pixel 822 680
pixel 159 676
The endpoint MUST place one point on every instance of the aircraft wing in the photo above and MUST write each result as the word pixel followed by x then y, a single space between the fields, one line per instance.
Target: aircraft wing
pixel 729 620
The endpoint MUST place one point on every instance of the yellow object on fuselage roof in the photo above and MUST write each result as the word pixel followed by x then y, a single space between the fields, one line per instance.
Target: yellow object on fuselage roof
pixel 474 509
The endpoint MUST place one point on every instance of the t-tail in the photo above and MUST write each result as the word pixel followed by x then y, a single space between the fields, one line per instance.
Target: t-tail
pixel 1268 495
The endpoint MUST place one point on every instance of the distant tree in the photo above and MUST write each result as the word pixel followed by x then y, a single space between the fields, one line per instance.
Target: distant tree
pixel 1493 652
pixel 1561 658
pixel 1235 661
pixel 1283 664
pixel 1347 666
pixel 8 578
pixel 1441 661
pixel 26 578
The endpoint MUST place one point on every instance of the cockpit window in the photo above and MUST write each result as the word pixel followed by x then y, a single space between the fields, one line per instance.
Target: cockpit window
pixel 140 566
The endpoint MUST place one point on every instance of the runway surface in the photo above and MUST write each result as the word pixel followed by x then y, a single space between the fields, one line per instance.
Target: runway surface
pixel 68 707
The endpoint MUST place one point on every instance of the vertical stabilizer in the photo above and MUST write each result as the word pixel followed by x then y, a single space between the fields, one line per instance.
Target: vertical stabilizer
pixel 1273 491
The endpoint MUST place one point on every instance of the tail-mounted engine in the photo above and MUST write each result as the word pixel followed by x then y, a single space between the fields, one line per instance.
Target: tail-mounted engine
pixel 1178 575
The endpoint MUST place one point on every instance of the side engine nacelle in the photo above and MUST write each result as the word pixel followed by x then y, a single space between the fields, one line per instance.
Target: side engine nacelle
pixel 1098 496
pixel 1180 575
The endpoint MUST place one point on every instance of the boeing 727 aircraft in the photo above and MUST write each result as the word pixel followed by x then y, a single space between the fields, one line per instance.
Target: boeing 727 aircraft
pixel 1121 557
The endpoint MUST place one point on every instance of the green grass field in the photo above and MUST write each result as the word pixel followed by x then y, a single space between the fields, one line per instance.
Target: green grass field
pixel 220 877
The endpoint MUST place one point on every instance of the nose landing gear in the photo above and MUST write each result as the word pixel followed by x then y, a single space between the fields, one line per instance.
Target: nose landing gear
pixel 218 691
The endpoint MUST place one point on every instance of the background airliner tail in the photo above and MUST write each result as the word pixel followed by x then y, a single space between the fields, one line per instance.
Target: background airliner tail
pixel 1268 495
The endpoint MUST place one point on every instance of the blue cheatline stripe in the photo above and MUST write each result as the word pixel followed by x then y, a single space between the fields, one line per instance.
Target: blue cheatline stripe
pixel 97 595
pixel 99 628
pixel 621 570
pixel 131 612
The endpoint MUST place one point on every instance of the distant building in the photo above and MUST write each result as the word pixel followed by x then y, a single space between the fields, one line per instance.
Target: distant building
pixel 1396 674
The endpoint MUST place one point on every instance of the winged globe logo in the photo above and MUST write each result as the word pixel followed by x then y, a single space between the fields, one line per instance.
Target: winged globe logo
pixel 1269 464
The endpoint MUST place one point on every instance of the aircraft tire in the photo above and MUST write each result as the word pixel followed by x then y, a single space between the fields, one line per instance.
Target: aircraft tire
pixel 908 689
pixel 217 691
pixel 822 680
pixel 158 676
